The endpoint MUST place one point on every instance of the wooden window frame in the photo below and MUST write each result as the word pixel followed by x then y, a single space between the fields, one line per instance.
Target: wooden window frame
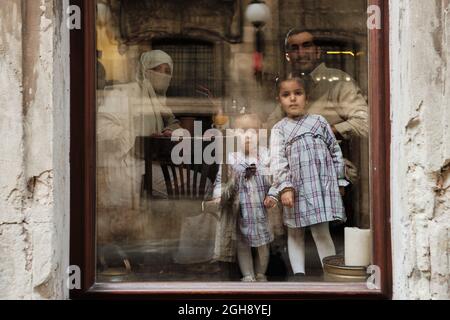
pixel 83 168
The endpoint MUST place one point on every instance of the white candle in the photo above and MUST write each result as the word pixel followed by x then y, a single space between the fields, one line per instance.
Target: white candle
pixel 358 247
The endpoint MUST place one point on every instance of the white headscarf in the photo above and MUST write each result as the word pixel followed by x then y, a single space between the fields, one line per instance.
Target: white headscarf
pixel 152 59
pixel 154 106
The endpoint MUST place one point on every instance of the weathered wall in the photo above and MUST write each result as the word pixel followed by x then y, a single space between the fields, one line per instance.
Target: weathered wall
pixel 34 163
pixel 420 104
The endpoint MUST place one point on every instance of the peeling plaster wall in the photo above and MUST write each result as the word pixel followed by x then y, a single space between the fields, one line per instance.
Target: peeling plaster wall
pixel 34 163
pixel 420 104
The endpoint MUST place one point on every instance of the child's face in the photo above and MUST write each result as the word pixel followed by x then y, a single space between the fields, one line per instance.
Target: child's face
pixel 292 98
pixel 249 138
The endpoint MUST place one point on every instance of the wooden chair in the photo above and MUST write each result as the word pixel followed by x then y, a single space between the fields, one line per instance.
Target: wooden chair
pixel 185 181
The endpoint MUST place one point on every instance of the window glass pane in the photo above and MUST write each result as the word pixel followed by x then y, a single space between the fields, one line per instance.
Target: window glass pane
pixel 209 128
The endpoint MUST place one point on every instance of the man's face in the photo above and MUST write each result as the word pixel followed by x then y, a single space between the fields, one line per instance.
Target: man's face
pixel 302 53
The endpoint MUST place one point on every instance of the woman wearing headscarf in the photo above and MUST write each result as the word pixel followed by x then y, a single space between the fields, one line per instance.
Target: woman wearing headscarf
pixel 128 111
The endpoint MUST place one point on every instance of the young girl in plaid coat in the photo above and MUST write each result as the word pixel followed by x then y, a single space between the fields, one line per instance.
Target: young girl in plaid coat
pixel 250 183
pixel 308 170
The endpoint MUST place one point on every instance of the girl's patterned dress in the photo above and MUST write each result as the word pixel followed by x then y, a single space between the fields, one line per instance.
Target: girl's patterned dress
pixel 306 156
pixel 252 183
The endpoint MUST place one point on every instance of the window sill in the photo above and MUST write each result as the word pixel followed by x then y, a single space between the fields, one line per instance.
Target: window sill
pixel 234 290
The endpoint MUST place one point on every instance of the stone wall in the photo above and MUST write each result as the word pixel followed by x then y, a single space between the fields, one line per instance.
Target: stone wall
pixel 34 153
pixel 420 112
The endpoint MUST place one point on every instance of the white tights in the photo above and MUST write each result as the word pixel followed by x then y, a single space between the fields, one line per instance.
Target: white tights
pixel 296 245
pixel 251 266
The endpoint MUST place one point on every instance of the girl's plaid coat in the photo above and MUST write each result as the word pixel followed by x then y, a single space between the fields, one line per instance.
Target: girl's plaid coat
pixel 306 156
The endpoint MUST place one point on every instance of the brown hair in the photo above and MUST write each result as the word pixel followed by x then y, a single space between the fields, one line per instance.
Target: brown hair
pixel 295 31
pixel 280 80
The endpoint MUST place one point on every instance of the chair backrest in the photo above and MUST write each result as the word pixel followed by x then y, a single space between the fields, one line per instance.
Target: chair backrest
pixel 187 181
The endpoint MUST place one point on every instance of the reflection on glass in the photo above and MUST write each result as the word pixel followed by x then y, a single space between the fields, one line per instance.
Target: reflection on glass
pixel 193 181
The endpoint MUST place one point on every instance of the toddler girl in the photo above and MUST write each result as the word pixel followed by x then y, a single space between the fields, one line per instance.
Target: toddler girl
pixel 250 183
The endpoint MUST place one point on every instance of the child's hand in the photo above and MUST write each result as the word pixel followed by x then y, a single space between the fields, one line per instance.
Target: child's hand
pixel 287 198
pixel 270 202
pixel 342 191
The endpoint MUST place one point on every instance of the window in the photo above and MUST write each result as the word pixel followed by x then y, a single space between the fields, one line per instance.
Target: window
pixel 150 210
pixel 198 61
